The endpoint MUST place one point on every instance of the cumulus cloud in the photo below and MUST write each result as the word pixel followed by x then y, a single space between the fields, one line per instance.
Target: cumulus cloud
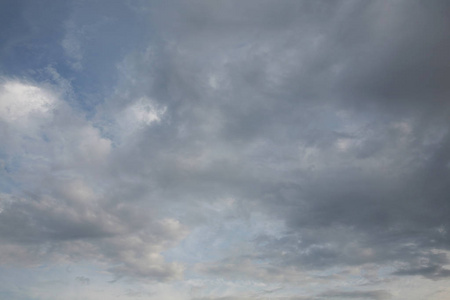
pixel 20 101
pixel 64 213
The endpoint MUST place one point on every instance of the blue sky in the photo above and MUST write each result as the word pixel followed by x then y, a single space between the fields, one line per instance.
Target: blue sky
pixel 224 150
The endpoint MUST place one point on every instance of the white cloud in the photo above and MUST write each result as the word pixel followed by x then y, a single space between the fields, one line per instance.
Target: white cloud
pixel 67 205
pixel 22 102
pixel 144 112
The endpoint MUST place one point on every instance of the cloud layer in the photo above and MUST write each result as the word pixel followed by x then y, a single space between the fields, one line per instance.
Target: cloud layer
pixel 228 150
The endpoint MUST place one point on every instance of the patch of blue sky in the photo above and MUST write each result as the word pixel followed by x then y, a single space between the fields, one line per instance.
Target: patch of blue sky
pixel 86 35
pixel 29 43
pixel 7 185
pixel 34 45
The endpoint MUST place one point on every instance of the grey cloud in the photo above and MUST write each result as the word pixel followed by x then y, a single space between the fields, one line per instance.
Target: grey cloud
pixel 254 297
pixel 65 213
pixel 330 118
pixel 406 65
pixel 51 231
pixel 381 196
pixel 376 295
pixel 83 280
pixel 267 103
pixel 244 267
pixel 432 271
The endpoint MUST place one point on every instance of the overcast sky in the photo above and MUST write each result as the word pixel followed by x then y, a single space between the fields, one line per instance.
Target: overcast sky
pixel 224 150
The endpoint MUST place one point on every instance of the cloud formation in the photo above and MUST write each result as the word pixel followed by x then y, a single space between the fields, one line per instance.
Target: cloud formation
pixel 63 212
pixel 229 150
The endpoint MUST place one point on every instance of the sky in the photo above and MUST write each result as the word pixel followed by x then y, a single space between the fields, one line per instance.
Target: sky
pixel 224 150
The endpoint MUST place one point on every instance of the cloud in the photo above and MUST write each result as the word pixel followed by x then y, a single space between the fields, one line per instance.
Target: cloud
pixel 245 267
pixel 248 298
pixel 72 45
pixel 68 217
pixel 83 280
pixel 433 272
pixel 306 125
pixel 21 102
pixel 294 144
pixel 376 295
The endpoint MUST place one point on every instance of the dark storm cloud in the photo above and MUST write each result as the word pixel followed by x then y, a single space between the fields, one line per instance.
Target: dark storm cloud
pixel 246 100
pixel 404 60
pixel 384 197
